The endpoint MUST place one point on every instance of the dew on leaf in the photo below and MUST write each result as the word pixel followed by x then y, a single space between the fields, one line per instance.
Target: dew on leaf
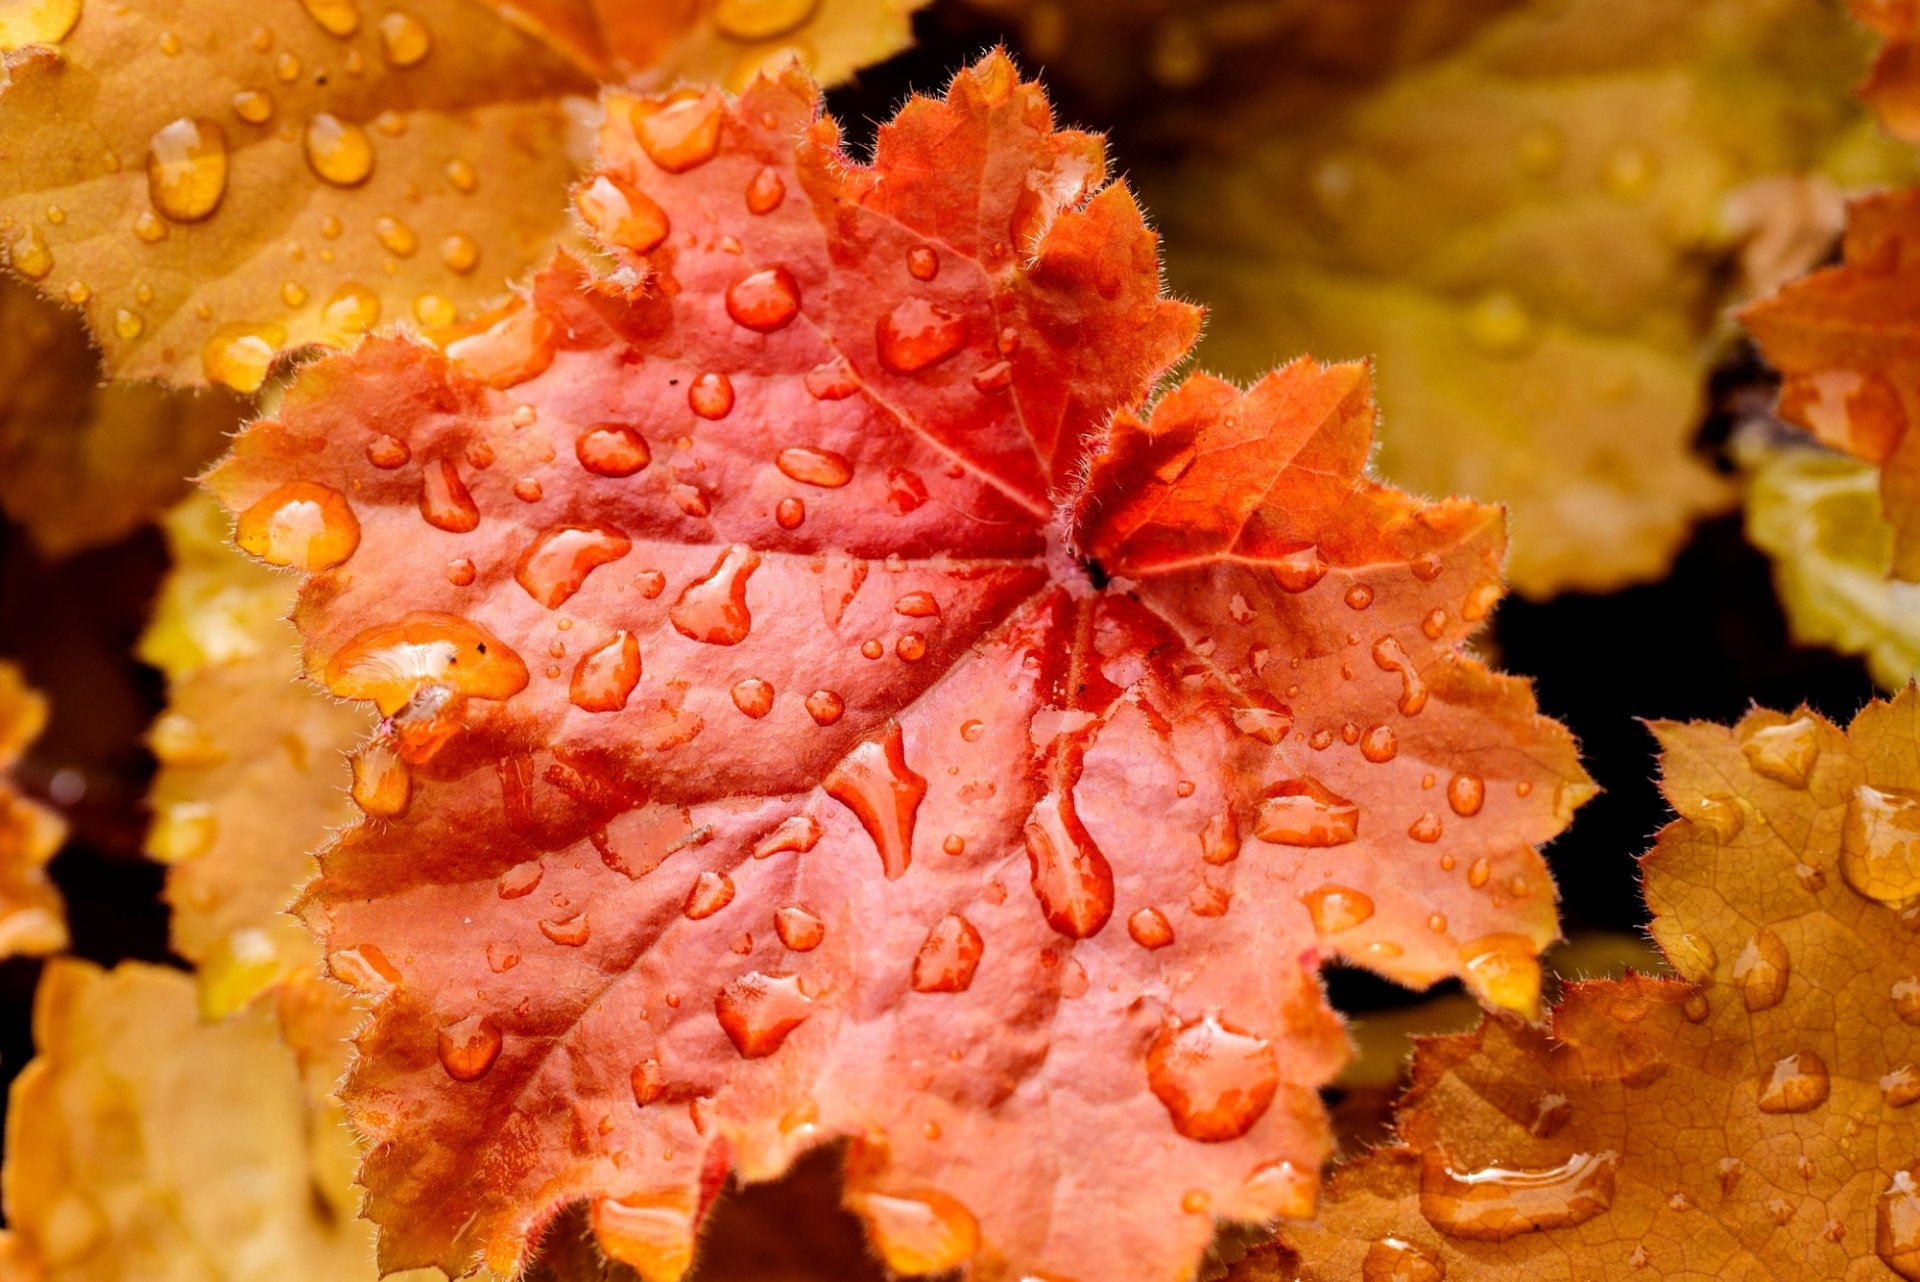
pixel 1302 812
pixel 918 1233
pixel 917 335
pixel 713 608
pixel 1426 828
pixel 556 564
pixel 797 835
pixel 570 931
pixel 1389 657
pixel 1761 970
pixel 253 106
pixel 388 452
pixel 753 697
pixel 1502 970
pixel 1215 1080
pixel 612 450
pixel 1784 754
pixel 884 794
pixel 606 675
pixel 352 309
pixel 711 892
pixel 823 468
pixel 765 300
pixel 825 707
pixel 337 150
pixel 621 214
pixel 469 1047
pixel 1880 844
pixel 678 133
pixel 711 396
pixel 948 956
pixel 187 168
pixel 382 785
pixel 1495 1204
pixel 1795 1084
pixel 301 524
pixel 765 191
pixel 239 355
pixel 404 40
pixel 389 664
pixel 758 1012
pixel 790 513
pixel 1466 793
pixel 1337 908
pixel 1071 876
pixel 799 929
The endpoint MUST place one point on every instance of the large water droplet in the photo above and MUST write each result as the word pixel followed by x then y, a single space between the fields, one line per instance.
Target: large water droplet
pixel 918 1233
pixel 469 1048
pixel 338 150
pixel 1784 754
pixel 1303 813
pixel 766 190
pixel 556 564
pixel 823 468
pixel 711 892
pixel 1896 1225
pixel 612 449
pixel 239 355
pixel 1502 970
pixel 621 214
pixel 389 664
pixel 1495 1203
pixel 799 929
pixel 1761 970
pixel 1880 844
pixel 884 794
pixel 445 502
pixel 307 526
pixel 1337 908
pixel 1150 929
pixel 187 168
pixel 1795 1084
pixel 711 396
pixel 382 786
pixel 797 834
pixel 713 608
pixel 404 39
pixel 1214 1079
pixel 765 300
pixel 753 697
pixel 758 1012
pixel 1071 877
pixel 28 254
pixel 679 132
pixel 1395 1259
pixel 916 335
pixel 650 1232
pixel 335 17
pixel 1466 794
pixel 1389 657
pixel 948 957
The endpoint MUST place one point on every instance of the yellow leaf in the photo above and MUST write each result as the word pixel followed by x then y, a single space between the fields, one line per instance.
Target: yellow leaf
pixel 1536 232
pixel 82 464
pixel 32 918
pixel 1817 514
pixel 252 773
pixel 146 1146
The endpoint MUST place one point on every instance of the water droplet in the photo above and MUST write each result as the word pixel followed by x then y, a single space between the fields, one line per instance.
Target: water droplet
pixel 1394 1259
pixel 187 168
pixel 570 931
pixel 303 525
pixel 1629 172
pixel 1880 844
pixel 651 1232
pixel 445 502
pixel 911 647
pixel 1784 754
pixel 469 1048
pixel 612 449
pixel 832 380
pixel 1901 1087
pixel 884 794
pixel 1478 872
pixel 1337 908
pixel 1150 929
pixel 1214 1079
pixel 1502 971
pixel 604 678
pixel 388 452
pixel 352 309
pixel 713 608
pixel 147 225
pixel 711 396
pixel 404 39
pixel 40 22
pixel 287 67
pixel 1499 324
pixel 335 17
pixel 459 252
pixel 823 468
pixel 1379 744
pixel 382 787
pixel 1359 597
pixel 622 215
pixel 1389 657
pixel 1268 725
pixel 557 563
pixel 948 957
pixel 679 132
pixel 790 513
pixel 1303 813
pixel 825 707
pixel 395 236
pixel 799 929
pixel 766 191
pixel 1761 970
pixel 1796 1084
pixel 1466 794
pixel 918 1233
pixel 711 892
pixel 520 880
pixel 753 696
pixel 253 106
pixel 759 1011
pixel 389 664
pixel 1896 1225
pixel 239 355
pixel 1494 1204
pixel 797 835
pixel 764 301
pixel 338 150
pixel 1425 828
pixel 460 176
pixel 916 335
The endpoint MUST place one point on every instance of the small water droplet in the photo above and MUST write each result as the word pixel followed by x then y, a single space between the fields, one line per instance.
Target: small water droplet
pixel 605 677
pixel 1359 597
pixel 1150 929
pixel 404 40
pixel 459 252
pixel 1389 657
pixel 338 150
pixel 797 835
pixel 1379 744
pixel 884 794
pixel 917 335
pixel 766 190
pixel 711 892
pixel 1426 828
pixel 1503 971
pixel 612 449
pixel 1337 908
pixel 923 262
pixel 711 396
pixel 758 1012
pixel 187 168
pixel 1302 812
pixel 799 929
pixel 833 380
pixel 823 468
pixel 469 1047
pixel 253 106
pixel 753 697
pixel 1762 970
pixel 1395 1259
pixel 790 513
pixel 1215 1080
pixel 570 931
pixel 764 301
pixel 352 309
pixel 239 355
pixel 622 215
pixel 1795 1084
pixel 1466 794
pixel 713 608
pixel 948 957
pixel 382 786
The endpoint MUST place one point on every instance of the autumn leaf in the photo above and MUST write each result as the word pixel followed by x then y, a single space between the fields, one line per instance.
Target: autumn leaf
pixel 1844 339
pixel 1817 515
pixel 82 464
pixel 1893 87
pixel 213 186
pixel 1535 231
pixel 32 916
pixel 144 1144
pixel 252 763
pixel 807 716
pixel 1748 1119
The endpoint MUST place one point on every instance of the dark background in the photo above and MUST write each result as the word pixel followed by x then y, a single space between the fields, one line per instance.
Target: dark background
pixel 1706 643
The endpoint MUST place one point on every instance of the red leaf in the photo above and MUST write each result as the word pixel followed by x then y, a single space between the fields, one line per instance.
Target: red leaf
pixel 861 756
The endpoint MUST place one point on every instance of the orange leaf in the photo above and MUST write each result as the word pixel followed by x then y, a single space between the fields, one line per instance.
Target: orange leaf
pixel 825 704
pixel 1847 338
pixel 1749 1119
pixel 1893 87
pixel 32 916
